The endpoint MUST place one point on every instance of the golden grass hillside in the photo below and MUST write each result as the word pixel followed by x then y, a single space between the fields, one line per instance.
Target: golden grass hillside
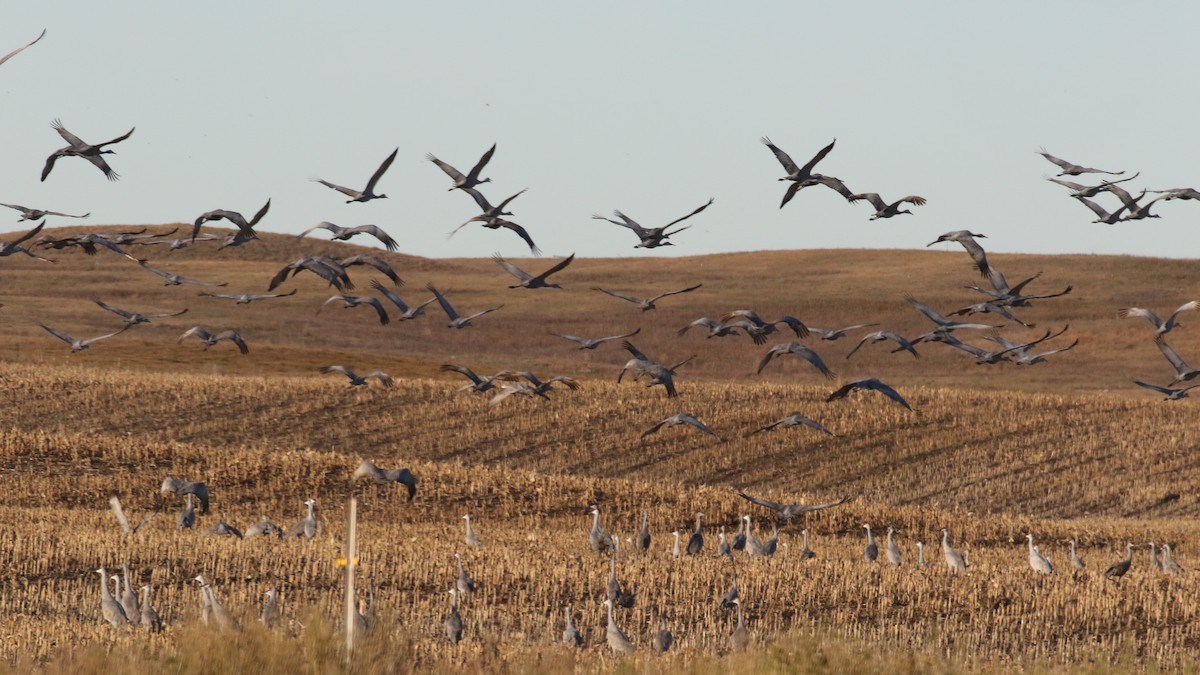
pixel 1067 449
pixel 823 288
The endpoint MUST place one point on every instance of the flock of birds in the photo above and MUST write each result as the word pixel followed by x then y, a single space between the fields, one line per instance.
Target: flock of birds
pixel 121 606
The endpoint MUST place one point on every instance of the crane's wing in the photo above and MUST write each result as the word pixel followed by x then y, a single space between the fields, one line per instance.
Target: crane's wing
pixel 1060 162
pixel 761 502
pixel 446 168
pixel 679 220
pixel 59 334
pixel 834 184
pixel 372 261
pixel 380 171
pixel 236 338
pixel 1096 208
pixel 512 269
pixel 383 237
pixel 18 50
pixel 1179 364
pixel 118 139
pixel 558 267
pixel 669 293
pixel 387 293
pixel 482 201
pixel 818 157
pixel 1162 390
pixel 473 174
pixel 323 225
pixel 699 425
pixel 872 197
pixel 520 233
pixel 627 298
pixel 446 307
pixel 928 311
pixel 885 390
pixel 628 346
pixel 783 158
pixel 339 369
pixel 344 190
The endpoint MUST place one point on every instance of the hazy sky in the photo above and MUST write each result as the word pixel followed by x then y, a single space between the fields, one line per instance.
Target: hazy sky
pixel 648 107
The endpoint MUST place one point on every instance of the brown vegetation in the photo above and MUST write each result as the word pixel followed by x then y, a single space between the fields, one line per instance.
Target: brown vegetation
pixel 991 453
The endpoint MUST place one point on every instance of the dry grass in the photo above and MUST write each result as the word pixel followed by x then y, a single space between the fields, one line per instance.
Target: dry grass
pixel 1017 451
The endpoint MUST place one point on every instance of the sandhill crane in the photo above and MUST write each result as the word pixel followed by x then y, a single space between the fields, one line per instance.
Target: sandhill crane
pixel 18 50
pixel 880 336
pixel 78 148
pixel 739 537
pixel 1119 568
pixel 681 418
pixel 1069 169
pixel 643 536
pixel 646 304
pixel 528 281
pixel 357 380
pixel 383 476
pixel 599 538
pixel 1183 372
pixel 478 384
pixel 1078 190
pixel 472 178
pixel 1103 216
pixel 179 487
pixel 801 176
pixel 723 547
pixel 149 619
pixel 12 247
pixel 464 583
pixel 612 589
pixel 78 345
pixel 129 599
pixel 86 242
pixel 641 365
pixel 307 526
pixel 967 239
pixel 793 420
pixel 1155 563
pixel 1161 327
pixel 786 512
pixel 871 552
pixel 990 308
pixel 245 227
pixel 1076 561
pixel 367 193
pixel 1142 211
pixel 696 541
pixel 38 214
pixel 1168 561
pixel 471 539
pixel 618 642
pixel 210 339
pixel 571 636
pixel 134 318
pixel 757 328
pixel 982 356
pixel 171 279
pixel 1038 562
pixel 943 324
pixel 663 639
pixel 223 529
pixel 351 301
pixel 110 609
pixel 785 348
pixel 652 237
pixel 868 383
pixel 740 639
pixel 1178 193
pixel 1168 393
pixel 187 517
pixel 806 553
pixel 406 312
pixel 954 560
pixel 891 549
pixel 223 618
pixel 488 212
pixel 592 343
pixel 831 334
pixel 264 528
pixel 271 610
pixel 247 298
pixel 511 389
pixel 1002 294
pixel 456 321
pixel 715 328
pixel 114 503
pixel 753 545
pixel 884 209
pixel 345 233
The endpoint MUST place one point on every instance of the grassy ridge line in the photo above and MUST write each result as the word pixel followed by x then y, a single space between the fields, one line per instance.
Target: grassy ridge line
pixel 828 288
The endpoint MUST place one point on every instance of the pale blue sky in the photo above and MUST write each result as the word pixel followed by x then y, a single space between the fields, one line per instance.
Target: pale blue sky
pixel 649 107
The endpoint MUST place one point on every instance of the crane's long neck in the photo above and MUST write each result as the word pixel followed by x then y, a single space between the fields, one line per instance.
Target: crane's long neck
pixel 145 597
pixel 870 537
pixel 805 535
pixel 697 523
pixel 596 519
pixel 920 553
pixel 104 592
pixel 1030 538
pixel 1072 547
pixel 889 539
pixel 646 520
pixel 568 610
pixel 460 567
pixel 310 510
pixel 945 539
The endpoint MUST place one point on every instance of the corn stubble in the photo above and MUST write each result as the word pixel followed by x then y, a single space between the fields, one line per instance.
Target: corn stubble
pixel 527 473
